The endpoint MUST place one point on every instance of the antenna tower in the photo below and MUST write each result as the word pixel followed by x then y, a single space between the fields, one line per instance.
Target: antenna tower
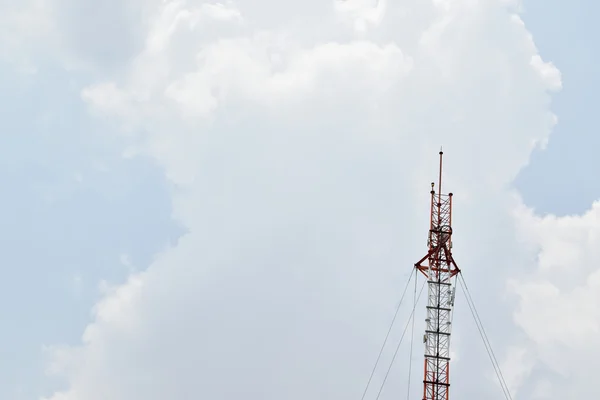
pixel 439 268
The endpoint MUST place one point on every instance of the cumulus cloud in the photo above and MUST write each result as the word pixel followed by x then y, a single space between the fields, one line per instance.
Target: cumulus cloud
pixel 23 25
pixel 558 301
pixel 361 14
pixel 300 165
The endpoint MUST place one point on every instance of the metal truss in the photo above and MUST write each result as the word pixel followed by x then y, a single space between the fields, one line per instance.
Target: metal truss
pixel 439 268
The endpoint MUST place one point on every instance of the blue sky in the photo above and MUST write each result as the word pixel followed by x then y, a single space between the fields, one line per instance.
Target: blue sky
pixel 74 208
pixel 560 179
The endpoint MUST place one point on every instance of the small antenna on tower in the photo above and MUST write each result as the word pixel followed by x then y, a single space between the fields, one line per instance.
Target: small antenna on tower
pixel 440 178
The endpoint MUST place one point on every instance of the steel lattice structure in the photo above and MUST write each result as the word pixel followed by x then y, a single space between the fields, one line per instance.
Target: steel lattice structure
pixel 439 268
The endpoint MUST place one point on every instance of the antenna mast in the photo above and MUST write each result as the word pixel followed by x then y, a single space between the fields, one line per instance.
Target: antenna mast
pixel 439 268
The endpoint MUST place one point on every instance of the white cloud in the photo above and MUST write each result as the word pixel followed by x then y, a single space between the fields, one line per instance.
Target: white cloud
pixel 361 14
pixel 301 168
pixel 559 305
pixel 516 368
pixel 222 12
pixel 23 25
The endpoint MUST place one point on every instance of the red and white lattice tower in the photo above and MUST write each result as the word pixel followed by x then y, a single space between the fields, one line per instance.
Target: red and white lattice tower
pixel 439 268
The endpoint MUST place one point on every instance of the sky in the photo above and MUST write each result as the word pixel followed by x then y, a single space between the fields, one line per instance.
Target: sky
pixel 204 200
pixel 556 181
